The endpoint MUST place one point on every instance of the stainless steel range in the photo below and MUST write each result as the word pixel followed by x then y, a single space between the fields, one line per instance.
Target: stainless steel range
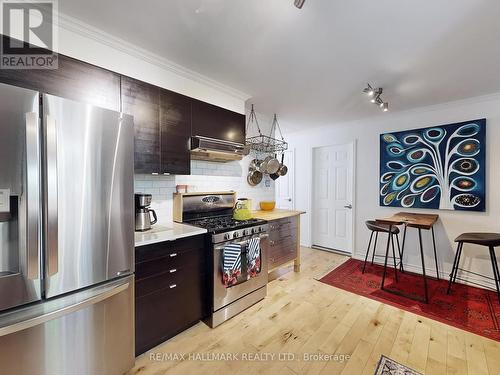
pixel 213 211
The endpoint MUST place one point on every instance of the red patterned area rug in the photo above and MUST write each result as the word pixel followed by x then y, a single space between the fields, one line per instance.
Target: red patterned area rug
pixel 472 309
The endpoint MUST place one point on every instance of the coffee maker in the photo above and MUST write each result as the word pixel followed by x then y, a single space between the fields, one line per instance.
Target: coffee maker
pixel 143 212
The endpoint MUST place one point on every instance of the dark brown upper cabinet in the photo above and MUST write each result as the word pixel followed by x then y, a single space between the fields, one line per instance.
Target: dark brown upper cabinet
pixel 215 122
pixel 175 129
pixel 162 122
pixel 73 79
pixel 142 101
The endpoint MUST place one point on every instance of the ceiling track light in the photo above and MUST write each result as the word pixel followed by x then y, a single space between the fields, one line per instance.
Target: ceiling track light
pixel 375 95
pixel 299 3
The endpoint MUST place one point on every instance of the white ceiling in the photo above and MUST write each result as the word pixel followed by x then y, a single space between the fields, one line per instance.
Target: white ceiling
pixel 310 65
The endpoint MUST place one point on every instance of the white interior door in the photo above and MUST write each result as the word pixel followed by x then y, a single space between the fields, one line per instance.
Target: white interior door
pixel 284 188
pixel 332 197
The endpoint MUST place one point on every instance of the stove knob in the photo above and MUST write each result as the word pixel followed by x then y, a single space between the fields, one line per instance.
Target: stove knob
pixel 236 235
pixel 227 236
pixel 261 229
pixel 255 230
pixel 245 232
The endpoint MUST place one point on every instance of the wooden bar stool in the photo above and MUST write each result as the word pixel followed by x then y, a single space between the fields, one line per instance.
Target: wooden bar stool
pixel 489 240
pixel 377 228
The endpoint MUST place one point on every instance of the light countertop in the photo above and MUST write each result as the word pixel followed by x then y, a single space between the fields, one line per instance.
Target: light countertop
pixel 275 214
pixel 171 232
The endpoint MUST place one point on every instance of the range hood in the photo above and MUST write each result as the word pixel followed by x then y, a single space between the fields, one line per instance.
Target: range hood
pixel 211 149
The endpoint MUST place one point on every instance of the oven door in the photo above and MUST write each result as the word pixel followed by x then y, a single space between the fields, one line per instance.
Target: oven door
pixel 224 296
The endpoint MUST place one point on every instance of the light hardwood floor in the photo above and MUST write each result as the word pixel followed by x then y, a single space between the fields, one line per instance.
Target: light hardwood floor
pixel 301 315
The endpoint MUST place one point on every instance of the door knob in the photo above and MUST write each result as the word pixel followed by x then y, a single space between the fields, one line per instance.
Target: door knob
pixel 349 206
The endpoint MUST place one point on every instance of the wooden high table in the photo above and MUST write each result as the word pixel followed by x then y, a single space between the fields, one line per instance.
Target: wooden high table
pixel 410 220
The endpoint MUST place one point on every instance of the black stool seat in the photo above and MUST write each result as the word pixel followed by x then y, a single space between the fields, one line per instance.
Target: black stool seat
pixel 376 227
pixel 489 240
pixel 485 239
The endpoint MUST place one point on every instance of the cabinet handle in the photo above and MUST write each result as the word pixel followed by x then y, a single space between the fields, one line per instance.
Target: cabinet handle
pixel 172 286
pixel 271 243
pixel 166 174
pixel 155 173
pixel 173 270
pixel 173 255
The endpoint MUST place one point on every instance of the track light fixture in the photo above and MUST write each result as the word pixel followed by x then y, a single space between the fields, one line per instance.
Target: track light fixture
pixel 299 3
pixel 375 97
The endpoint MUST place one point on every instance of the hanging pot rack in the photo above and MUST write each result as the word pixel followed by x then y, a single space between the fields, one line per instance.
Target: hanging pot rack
pixel 262 143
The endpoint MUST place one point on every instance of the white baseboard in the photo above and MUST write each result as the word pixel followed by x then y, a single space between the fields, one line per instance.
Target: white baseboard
pixel 443 274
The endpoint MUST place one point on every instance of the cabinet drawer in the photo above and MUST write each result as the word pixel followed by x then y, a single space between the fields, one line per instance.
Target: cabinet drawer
pixel 165 313
pixel 285 246
pixel 282 244
pixel 170 277
pixel 168 248
pixel 282 234
pixel 285 224
pixel 278 261
pixel 171 260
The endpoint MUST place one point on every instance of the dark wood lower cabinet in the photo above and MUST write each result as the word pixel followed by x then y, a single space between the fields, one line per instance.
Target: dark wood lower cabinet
pixel 171 290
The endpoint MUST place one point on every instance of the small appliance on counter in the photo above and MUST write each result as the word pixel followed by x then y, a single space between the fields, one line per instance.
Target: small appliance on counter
pixel 143 213
pixel 242 209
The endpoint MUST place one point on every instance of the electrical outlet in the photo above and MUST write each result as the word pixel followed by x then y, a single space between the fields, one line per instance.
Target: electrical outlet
pixel 4 200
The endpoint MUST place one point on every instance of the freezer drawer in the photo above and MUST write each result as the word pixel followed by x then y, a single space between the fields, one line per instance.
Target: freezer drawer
pixel 89 194
pixel 86 333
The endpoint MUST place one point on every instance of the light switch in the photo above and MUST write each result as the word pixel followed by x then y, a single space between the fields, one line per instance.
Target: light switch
pixel 4 200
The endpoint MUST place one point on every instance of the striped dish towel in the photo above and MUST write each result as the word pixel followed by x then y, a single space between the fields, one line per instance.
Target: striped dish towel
pixel 253 257
pixel 231 264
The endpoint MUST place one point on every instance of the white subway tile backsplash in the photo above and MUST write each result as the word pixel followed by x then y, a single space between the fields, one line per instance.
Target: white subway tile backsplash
pixel 205 176
pixel 167 191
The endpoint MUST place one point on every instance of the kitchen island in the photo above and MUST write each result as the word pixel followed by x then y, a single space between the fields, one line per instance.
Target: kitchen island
pixel 284 237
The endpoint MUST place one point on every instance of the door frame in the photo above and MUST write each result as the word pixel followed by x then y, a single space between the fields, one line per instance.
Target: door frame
pixel 353 145
pixel 291 180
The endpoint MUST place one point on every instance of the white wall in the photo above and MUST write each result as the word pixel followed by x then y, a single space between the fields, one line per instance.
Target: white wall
pixel 366 206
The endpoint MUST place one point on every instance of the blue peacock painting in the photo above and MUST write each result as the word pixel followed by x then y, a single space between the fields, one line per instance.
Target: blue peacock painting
pixel 441 167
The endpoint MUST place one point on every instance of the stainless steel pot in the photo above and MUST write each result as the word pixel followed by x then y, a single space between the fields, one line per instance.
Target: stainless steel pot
pixel 283 169
pixel 272 164
pixel 254 177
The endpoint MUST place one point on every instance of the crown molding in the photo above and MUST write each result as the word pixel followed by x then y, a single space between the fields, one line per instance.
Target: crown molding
pixel 81 28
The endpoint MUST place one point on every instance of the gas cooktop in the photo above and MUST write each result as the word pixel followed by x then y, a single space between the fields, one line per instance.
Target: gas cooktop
pixel 222 224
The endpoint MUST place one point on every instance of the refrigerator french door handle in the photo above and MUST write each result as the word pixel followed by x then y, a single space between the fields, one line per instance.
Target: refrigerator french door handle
pixel 32 195
pixel 51 196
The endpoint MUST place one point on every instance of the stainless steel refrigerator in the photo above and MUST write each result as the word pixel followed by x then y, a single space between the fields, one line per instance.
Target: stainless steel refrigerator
pixel 66 236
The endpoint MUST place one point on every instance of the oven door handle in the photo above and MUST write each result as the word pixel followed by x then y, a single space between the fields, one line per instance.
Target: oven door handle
pixel 241 243
pixel 261 236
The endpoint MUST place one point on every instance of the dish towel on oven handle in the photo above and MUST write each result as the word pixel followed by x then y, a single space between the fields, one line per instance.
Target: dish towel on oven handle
pixel 231 264
pixel 253 257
